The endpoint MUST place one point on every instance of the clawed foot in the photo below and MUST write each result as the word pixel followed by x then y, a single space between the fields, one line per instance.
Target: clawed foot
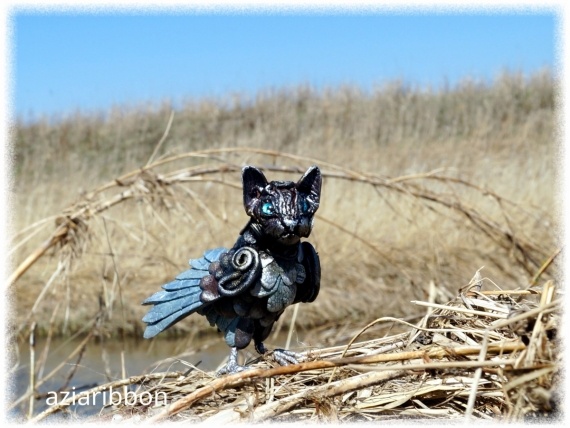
pixel 282 356
pixel 231 369
pixel 232 366
pixel 285 357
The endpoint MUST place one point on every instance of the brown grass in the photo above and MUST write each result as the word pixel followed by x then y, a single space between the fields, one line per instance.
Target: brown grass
pixel 421 189
pixel 419 186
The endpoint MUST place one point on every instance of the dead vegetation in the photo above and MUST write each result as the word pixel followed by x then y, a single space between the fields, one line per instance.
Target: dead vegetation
pixel 421 189
pixel 489 354
pixel 433 194
pixel 420 185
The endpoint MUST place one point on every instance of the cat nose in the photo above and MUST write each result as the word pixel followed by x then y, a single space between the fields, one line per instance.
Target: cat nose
pixel 290 223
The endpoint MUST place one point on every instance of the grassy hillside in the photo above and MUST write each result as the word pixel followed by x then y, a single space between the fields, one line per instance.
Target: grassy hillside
pixel 421 189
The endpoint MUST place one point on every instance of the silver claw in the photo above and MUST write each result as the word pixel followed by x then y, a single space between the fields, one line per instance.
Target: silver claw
pixel 282 356
pixel 285 357
pixel 232 366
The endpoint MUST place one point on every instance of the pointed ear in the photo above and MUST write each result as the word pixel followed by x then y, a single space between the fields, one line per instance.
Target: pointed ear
pixel 253 182
pixel 310 184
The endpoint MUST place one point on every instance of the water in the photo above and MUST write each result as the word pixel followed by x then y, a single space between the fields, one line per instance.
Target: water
pixel 104 361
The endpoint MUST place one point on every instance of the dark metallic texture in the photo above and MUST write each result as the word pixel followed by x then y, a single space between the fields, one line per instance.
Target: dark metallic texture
pixel 244 290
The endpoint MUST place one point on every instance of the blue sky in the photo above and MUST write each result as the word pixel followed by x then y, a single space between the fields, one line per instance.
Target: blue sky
pixel 62 62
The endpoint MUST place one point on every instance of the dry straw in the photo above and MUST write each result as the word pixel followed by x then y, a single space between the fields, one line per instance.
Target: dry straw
pixel 382 225
pixel 499 361
pixel 487 352
pixel 465 358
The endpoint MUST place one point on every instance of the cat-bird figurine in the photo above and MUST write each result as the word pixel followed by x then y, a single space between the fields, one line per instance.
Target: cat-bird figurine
pixel 244 290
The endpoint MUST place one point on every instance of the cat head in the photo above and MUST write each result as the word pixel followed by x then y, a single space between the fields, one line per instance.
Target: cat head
pixel 284 210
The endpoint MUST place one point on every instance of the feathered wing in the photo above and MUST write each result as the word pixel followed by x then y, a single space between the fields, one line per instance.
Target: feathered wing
pixel 179 298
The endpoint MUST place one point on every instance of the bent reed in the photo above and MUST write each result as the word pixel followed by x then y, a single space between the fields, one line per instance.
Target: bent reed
pixel 421 188
pixel 417 182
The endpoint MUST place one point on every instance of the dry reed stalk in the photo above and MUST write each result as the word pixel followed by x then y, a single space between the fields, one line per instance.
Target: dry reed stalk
pixel 77 352
pixel 380 381
pixel 32 386
pixel 544 267
pixel 465 121
pixel 239 379
pixel 146 184
pixel 45 351
pixel 150 185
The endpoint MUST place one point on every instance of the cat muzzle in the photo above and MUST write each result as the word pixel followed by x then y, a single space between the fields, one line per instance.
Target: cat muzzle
pixel 290 224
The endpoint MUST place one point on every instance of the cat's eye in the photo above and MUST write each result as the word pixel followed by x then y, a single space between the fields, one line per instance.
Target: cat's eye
pixel 267 209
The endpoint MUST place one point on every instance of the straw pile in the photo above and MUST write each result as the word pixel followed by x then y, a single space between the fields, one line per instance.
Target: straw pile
pixel 487 355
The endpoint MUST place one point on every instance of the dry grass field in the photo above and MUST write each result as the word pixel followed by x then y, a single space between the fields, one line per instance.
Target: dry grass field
pixel 437 233
pixel 421 188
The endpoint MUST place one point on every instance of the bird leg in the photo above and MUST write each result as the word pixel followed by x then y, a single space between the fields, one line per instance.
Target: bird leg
pixel 282 356
pixel 232 366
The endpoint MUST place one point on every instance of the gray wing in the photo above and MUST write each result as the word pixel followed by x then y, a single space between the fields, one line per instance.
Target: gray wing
pixel 179 298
